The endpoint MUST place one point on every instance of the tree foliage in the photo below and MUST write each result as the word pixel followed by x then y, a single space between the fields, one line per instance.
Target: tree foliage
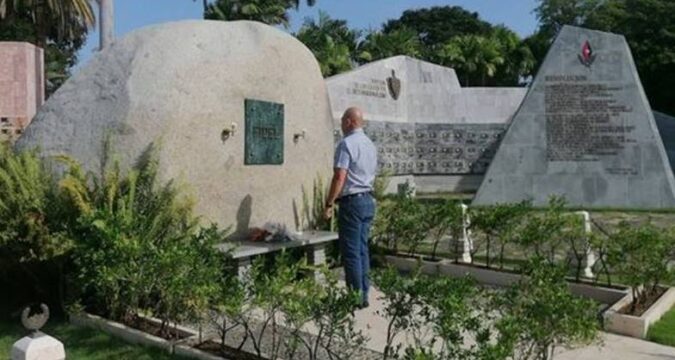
pixel 540 314
pixel 380 45
pixel 332 42
pixel 34 229
pixel 481 53
pixel 274 304
pixel 59 27
pixel 271 12
pixel 497 223
pixel 640 256
pixel 138 247
pixel 437 25
pixel 646 24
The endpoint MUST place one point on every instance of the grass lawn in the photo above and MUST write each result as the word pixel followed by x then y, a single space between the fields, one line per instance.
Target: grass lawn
pixel 81 343
pixel 663 331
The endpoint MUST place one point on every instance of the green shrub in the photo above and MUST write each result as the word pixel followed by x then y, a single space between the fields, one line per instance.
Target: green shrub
pixel 34 238
pixel 278 302
pixel 540 314
pixel 640 257
pixel 311 216
pixel 444 218
pixel 446 318
pixel 402 220
pixel 138 246
pixel 381 183
pixel 329 307
pixel 497 223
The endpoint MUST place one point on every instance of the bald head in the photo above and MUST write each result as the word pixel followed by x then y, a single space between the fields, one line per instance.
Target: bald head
pixel 351 120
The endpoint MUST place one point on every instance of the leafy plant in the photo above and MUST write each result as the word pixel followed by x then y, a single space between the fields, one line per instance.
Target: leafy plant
pixel 402 220
pixel 138 246
pixel 539 314
pixel 329 307
pixel 446 318
pixel 456 310
pixel 497 223
pixel 311 214
pixel 401 299
pixel 600 243
pixel 381 183
pixel 186 276
pixel 540 233
pixel 444 218
pixel 641 257
pixel 34 224
pixel 577 240
pixel 332 42
pixel 270 288
pixel 229 309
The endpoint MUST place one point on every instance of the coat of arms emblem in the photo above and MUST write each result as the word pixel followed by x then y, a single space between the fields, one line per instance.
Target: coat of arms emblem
pixel 394 85
pixel 587 56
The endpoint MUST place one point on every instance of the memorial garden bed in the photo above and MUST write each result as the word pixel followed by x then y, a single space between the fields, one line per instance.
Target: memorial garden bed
pixel 629 249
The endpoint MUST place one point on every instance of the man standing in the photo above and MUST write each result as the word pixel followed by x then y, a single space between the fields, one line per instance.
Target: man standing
pixel 352 187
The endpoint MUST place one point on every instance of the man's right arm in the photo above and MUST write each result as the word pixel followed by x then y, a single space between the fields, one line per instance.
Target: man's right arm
pixel 341 166
pixel 336 185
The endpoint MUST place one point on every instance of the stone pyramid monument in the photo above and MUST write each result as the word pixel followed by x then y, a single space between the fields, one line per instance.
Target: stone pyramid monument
pixel 585 131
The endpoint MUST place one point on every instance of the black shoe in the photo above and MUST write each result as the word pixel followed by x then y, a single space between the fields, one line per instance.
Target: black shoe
pixel 364 305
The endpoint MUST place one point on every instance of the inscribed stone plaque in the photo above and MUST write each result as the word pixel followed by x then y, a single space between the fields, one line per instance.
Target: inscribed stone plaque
pixel 264 140
pixel 434 149
pixel 585 131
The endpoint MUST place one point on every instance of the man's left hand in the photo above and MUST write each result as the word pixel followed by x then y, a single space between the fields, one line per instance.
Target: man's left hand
pixel 328 212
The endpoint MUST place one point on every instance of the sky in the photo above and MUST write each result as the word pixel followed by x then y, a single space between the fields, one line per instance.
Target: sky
pixel 361 14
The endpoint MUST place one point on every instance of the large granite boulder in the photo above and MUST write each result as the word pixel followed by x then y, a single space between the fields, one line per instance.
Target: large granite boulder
pixel 183 84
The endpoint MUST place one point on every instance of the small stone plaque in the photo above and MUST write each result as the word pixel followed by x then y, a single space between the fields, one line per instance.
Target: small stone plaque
pixel 264 140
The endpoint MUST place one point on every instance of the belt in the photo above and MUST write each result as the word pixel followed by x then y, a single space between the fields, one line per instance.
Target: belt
pixel 354 195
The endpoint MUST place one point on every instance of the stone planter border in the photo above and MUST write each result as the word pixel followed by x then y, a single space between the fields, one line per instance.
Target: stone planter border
pixel 194 353
pixel 182 347
pixel 637 326
pixel 498 278
pixel 130 334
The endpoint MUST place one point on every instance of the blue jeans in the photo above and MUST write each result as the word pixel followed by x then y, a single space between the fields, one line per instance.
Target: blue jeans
pixel 354 219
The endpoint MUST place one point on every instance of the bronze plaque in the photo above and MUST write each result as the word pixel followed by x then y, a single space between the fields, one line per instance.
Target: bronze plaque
pixel 264 140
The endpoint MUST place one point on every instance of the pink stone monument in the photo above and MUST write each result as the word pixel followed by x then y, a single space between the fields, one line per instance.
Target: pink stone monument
pixel 22 86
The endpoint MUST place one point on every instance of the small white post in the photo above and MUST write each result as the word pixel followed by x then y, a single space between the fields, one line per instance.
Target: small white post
pixel 467 242
pixel 590 255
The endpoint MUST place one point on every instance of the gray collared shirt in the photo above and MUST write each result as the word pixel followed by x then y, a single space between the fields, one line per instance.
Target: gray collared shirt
pixel 357 154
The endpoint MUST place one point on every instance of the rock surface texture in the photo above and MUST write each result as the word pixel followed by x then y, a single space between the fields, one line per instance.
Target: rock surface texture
pixel 181 84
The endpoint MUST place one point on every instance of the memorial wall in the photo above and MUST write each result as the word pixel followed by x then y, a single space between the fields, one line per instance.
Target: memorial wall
pixel 428 129
pixel 435 149
pixel 585 131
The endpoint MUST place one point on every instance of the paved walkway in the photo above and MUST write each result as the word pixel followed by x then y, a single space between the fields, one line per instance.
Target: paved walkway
pixel 615 347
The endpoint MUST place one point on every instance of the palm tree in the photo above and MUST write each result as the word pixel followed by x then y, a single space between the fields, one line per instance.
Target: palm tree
pixel 380 45
pixel 332 42
pixel 518 58
pixel 473 55
pixel 69 18
pixel 271 12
